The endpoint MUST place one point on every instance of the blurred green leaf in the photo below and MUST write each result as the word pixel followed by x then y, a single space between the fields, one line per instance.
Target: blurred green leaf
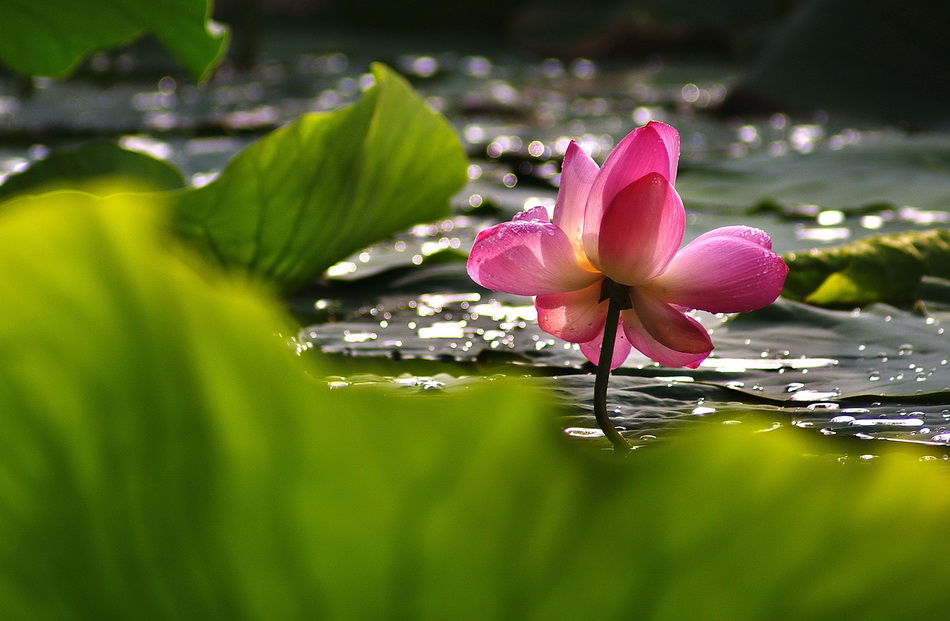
pixel 884 268
pixel 49 38
pixel 165 455
pixel 311 193
pixel 92 167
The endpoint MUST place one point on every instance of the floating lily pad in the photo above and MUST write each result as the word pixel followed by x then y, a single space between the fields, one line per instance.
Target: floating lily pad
pixel 886 268
pixel 876 351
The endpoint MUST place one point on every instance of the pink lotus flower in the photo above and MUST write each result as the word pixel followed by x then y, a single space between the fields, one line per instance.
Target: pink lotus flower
pixel 624 222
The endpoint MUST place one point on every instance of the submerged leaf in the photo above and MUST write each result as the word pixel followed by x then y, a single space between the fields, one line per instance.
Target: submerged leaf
pixel 165 455
pixel 884 268
pixel 309 194
pixel 49 38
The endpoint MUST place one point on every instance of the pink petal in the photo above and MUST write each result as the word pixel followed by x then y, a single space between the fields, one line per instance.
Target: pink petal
pixel 669 326
pixel 641 230
pixel 757 236
pixel 653 148
pixel 728 270
pixel 526 257
pixel 576 316
pixel 577 176
pixel 591 349
pixel 646 325
pixel 647 345
pixel 671 140
pixel 537 214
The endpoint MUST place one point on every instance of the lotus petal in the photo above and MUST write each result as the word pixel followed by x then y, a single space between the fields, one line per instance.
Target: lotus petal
pixel 641 230
pixel 591 349
pixel 578 172
pixel 653 148
pixel 576 316
pixel 526 257
pixel 727 270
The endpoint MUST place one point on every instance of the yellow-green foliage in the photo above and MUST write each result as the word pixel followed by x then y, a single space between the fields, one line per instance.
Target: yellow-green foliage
pixel 164 454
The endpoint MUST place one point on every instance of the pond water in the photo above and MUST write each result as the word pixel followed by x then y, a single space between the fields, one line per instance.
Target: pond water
pixel 404 313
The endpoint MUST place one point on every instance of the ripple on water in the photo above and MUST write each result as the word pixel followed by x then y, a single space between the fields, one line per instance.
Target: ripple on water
pixel 739 365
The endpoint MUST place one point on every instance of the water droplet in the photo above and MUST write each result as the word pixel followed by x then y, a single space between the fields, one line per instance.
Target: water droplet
pixel 584 432
pixel 887 422
pixel 814 395
pixel 358 337
pixel 443 330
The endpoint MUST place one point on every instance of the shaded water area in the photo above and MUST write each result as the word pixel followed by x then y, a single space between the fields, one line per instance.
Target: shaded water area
pixel 404 313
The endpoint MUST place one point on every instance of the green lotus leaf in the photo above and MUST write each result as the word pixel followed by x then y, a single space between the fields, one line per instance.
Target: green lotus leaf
pixel 313 192
pixel 93 167
pixel 49 38
pixel 883 268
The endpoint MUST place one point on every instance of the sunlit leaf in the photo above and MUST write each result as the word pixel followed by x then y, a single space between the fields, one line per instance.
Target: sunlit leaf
pixel 313 192
pixel 90 167
pixel 49 38
pixel 885 268
pixel 165 455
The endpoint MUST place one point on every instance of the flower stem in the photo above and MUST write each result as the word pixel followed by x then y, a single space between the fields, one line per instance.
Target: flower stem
pixel 617 300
